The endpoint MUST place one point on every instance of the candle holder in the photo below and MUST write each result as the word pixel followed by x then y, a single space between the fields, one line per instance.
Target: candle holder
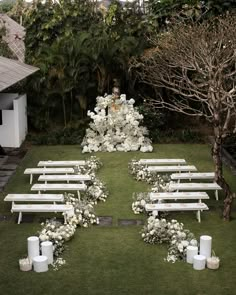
pixel 213 262
pixel 25 264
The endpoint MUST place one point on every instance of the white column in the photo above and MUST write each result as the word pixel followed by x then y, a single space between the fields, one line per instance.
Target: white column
pixel 40 263
pixel 47 250
pixel 191 252
pixel 33 247
pixel 199 262
pixel 205 246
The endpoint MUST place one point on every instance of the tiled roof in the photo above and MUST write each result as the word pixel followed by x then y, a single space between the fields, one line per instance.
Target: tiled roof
pixel 13 71
pixel 14 38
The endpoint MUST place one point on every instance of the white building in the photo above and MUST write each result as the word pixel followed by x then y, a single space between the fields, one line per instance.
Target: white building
pixel 13 106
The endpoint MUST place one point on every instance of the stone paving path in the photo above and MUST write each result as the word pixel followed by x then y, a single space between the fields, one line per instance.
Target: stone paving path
pixel 9 163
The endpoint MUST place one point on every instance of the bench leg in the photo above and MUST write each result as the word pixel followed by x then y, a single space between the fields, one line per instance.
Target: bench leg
pixel 19 218
pixel 155 213
pixel 216 195
pixel 65 218
pixel 78 193
pixel 199 216
pixel 31 178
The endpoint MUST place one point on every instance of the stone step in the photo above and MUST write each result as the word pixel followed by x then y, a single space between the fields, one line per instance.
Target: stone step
pixel 3 159
pixel 6 173
pixel 4 178
pixel 8 167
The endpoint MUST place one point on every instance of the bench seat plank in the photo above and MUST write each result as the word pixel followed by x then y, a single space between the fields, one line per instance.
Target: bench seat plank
pixel 34 198
pixel 59 187
pixel 178 196
pixel 33 171
pixel 171 168
pixel 161 161
pixel 196 175
pixel 176 206
pixel 195 186
pixel 70 177
pixel 50 163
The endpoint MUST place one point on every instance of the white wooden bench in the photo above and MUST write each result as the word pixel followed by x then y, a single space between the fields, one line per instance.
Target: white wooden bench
pixel 50 163
pixel 148 162
pixel 195 186
pixel 59 187
pixel 179 196
pixel 32 171
pixel 34 198
pixel 190 176
pixel 154 208
pixel 66 209
pixel 173 168
pixel 68 178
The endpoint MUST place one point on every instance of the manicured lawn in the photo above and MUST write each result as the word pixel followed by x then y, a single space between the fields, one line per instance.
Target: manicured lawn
pixel 114 260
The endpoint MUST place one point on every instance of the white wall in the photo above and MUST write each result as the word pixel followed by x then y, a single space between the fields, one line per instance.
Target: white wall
pixel 14 123
pixel 6 100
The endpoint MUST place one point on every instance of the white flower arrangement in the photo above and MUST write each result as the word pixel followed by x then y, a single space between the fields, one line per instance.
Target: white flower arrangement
pixel 91 166
pixel 96 191
pixel 56 232
pixel 58 262
pixel 116 129
pixel 141 173
pixel 83 212
pixel 140 200
pixel 158 231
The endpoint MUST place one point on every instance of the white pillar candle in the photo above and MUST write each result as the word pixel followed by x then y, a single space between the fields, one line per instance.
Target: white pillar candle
pixel 191 252
pixel 47 250
pixel 205 246
pixel 199 262
pixel 33 247
pixel 40 263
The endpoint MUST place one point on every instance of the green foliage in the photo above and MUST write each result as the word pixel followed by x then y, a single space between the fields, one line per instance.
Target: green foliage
pixel 79 53
pixel 69 135
pixel 6 5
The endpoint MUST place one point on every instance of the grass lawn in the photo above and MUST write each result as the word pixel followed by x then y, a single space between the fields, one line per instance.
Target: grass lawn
pixel 114 259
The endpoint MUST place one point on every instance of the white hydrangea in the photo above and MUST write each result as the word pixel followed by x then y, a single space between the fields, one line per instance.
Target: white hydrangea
pixel 115 129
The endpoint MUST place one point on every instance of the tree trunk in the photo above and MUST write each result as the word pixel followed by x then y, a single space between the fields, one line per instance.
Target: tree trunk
pixel 64 110
pixel 217 158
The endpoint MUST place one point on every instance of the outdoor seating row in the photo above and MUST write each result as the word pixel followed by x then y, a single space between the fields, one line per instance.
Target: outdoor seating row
pixel 64 208
pixel 148 162
pixel 195 186
pixel 59 187
pixel 155 208
pixel 32 171
pixel 50 163
pixel 66 167
pixel 38 207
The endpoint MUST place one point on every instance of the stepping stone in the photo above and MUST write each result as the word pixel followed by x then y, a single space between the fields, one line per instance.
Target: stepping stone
pixel 5 217
pixel 43 219
pixel 127 222
pixel 6 173
pixel 105 220
pixel 8 167
pixel 26 218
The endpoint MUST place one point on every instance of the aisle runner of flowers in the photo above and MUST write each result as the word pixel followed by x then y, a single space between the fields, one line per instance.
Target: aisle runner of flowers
pixel 159 230
pixel 115 127
pixel 58 233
